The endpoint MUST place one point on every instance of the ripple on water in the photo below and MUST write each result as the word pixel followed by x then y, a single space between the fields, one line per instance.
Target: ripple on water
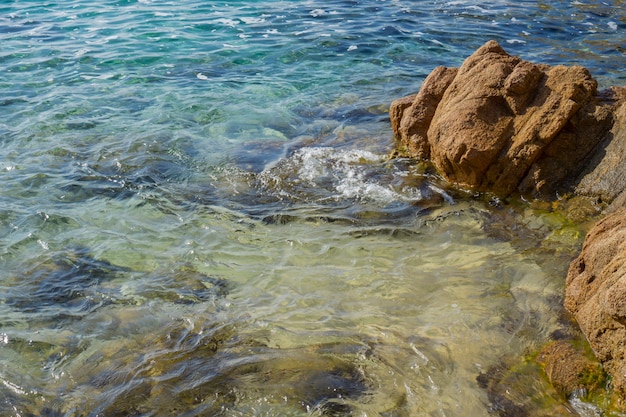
pixel 198 215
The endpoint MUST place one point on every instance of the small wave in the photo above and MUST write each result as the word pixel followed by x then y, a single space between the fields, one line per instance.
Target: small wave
pixel 324 173
pixel 317 12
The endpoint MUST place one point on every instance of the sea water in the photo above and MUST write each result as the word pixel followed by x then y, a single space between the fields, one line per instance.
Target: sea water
pixel 198 215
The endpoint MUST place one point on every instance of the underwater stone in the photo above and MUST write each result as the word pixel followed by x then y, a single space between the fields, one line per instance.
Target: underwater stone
pixel 68 282
pixel 568 370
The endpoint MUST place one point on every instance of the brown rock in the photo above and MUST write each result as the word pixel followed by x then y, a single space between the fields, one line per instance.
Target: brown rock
pixel 568 370
pixel 501 124
pixel 411 116
pixel 568 154
pixel 606 176
pixel 596 294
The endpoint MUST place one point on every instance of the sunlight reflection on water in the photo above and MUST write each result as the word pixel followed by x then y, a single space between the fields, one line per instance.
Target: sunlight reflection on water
pixel 197 214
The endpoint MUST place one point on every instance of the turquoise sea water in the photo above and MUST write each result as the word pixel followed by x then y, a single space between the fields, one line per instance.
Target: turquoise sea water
pixel 197 215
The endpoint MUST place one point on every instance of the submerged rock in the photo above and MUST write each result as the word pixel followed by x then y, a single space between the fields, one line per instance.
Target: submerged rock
pixel 64 286
pixel 569 371
pixel 511 387
pixel 501 124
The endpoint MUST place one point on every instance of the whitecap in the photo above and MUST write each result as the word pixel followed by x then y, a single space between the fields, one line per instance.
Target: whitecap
pixel 478 9
pixel 353 186
pixel 80 52
pixel 104 76
pixel 252 20
pixel 201 76
pixel 227 22
pixel 102 41
pixel 14 387
pixel 612 25
pixel 317 12
pixel 345 174
pixel 352 48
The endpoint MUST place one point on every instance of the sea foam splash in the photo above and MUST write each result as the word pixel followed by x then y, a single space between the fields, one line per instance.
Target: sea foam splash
pixel 336 174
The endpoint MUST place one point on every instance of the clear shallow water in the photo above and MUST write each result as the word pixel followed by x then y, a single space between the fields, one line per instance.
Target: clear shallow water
pixel 197 216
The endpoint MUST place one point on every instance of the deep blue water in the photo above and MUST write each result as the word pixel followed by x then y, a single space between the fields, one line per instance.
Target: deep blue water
pixel 152 155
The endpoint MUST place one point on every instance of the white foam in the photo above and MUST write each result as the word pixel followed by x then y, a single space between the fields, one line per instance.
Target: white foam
pixel 352 186
pixel 252 20
pixel 81 52
pixel 104 76
pixel 345 174
pixel 102 41
pixel 583 408
pixel 227 22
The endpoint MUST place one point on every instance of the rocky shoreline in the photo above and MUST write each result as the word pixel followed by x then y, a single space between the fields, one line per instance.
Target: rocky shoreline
pixel 499 124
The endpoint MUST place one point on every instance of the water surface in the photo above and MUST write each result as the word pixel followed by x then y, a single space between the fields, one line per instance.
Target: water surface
pixel 198 217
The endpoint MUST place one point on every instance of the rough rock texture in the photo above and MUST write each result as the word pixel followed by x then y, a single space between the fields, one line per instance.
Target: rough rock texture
pixel 596 294
pixel 606 179
pixel 568 370
pixel 501 124
pixel 414 122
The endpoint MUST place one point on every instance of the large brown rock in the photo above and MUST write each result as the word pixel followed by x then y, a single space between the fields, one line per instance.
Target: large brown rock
pixel 596 294
pixel 501 124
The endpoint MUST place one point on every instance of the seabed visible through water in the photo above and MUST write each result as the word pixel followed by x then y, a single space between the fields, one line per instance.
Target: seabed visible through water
pixel 198 215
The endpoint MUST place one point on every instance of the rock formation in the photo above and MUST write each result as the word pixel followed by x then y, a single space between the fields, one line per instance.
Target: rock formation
pixel 502 124
pixel 596 294
pixel 605 177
